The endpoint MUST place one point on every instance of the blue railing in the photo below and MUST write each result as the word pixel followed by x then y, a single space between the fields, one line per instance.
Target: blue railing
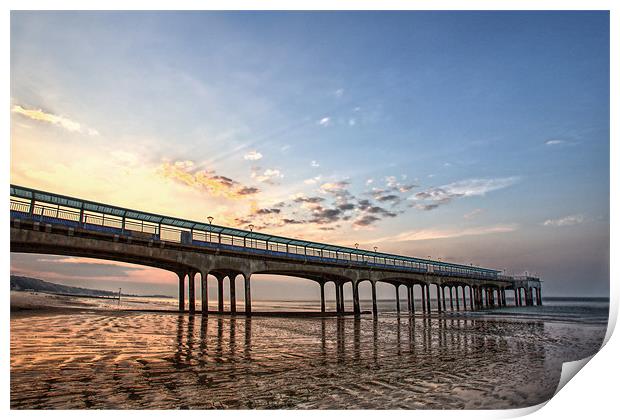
pixel 39 215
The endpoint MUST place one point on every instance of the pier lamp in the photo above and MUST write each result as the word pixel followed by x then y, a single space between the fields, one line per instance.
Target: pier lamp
pixel 251 227
pixel 210 219
pixel 357 245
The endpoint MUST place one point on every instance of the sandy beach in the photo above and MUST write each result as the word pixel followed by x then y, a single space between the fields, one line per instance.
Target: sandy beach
pixel 86 357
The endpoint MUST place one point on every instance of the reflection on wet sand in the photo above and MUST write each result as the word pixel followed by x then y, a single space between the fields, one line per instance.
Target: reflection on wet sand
pixel 140 360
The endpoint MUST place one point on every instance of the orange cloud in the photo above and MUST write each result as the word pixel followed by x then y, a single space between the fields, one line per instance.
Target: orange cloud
pixel 205 180
pixel 66 123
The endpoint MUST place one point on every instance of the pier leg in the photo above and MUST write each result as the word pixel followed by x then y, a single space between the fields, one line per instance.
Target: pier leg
pixel 471 299
pixel 451 302
pixel 438 298
pixel 338 308
pixel 428 298
pixel 374 298
pixel 539 297
pixel 464 298
pixel 204 295
pixel 396 286
pixel 443 298
pixel 412 298
pixel 423 297
pixel 248 294
pixel 322 297
pixel 456 295
pixel 192 292
pixel 233 294
pixel 516 298
pixel 181 292
pixel 342 307
pixel 356 298
pixel 220 293
pixel 409 306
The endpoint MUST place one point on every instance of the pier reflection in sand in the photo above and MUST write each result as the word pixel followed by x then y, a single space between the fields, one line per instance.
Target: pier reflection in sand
pixel 145 360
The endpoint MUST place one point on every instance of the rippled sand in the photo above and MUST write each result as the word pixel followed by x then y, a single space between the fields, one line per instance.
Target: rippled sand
pixel 105 359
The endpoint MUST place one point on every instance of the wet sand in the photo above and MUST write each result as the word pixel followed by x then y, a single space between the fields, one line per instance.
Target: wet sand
pixel 86 358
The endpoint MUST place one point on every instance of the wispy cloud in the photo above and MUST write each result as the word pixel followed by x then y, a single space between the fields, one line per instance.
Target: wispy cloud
pixel 472 214
pixel 253 155
pixel 64 122
pixel 314 164
pixel 433 197
pixel 572 220
pixel 554 142
pixel 429 234
pixel 268 176
pixel 186 173
pixel 312 181
pixel 339 92
pixel 325 121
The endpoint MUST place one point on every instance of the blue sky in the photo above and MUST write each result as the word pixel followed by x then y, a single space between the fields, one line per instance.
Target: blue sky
pixel 472 136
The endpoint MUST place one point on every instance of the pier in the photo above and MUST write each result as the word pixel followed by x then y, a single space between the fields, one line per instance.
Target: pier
pixel 48 223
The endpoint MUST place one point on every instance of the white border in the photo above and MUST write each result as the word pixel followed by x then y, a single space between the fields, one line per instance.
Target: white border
pixel 593 394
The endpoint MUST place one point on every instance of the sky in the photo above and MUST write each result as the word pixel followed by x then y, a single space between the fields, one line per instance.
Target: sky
pixel 474 137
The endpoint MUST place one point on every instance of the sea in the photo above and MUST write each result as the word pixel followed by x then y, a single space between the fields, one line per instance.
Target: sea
pixel 102 354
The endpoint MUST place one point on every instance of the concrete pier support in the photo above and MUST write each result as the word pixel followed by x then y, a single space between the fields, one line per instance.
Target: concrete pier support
pixel 396 286
pixel 322 296
pixel 451 302
pixel 443 298
pixel 438 291
pixel 204 294
pixel 356 298
pixel 181 291
pixel 233 294
pixel 409 298
pixel 428 298
pixel 374 298
pixel 192 292
pixel 220 292
pixel 248 294
pixel 471 299
pixel 516 298
pixel 423 297
pixel 464 298
pixel 342 307
pixel 538 296
pixel 456 293
pixel 338 301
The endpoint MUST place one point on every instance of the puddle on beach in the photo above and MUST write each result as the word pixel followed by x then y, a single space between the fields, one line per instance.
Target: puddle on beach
pixel 91 359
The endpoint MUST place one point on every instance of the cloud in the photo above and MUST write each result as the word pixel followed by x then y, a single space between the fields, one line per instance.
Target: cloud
pixel 339 92
pixel 311 200
pixel 185 173
pixel 369 181
pixel 473 214
pixel 554 142
pixel 435 196
pixel 325 121
pixel 572 220
pixel 253 155
pixel 366 220
pixel 322 215
pixel 429 234
pixel 312 181
pixel 268 211
pixel 66 123
pixel 314 164
pixel 269 176
pixel 334 187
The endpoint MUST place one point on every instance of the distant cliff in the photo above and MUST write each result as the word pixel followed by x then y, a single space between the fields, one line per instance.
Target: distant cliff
pixel 29 283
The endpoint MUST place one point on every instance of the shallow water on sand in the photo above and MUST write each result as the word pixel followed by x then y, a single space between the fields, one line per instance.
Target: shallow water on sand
pixel 105 359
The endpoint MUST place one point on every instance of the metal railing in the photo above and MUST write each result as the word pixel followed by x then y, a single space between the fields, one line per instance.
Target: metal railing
pixel 89 220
